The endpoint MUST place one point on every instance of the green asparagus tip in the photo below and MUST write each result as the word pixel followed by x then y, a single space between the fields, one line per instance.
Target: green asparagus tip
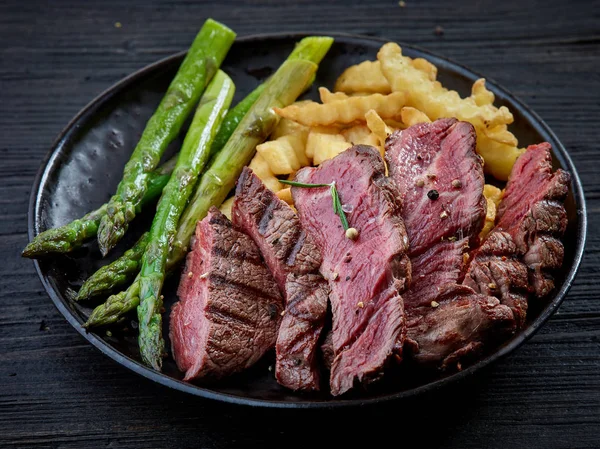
pixel 29 251
pixel 57 240
pixel 110 233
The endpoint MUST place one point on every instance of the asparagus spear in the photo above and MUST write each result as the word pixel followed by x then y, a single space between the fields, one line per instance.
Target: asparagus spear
pixel 114 274
pixel 126 266
pixel 217 181
pixel 194 154
pixel 203 59
pixel 233 118
pixel 72 235
pixel 283 88
pixel 115 307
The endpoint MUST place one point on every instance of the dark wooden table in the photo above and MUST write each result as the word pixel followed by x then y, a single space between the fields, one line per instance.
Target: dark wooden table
pixel 58 391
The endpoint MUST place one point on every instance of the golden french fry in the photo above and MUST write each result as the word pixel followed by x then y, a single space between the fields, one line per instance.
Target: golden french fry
pixel 324 146
pixel 435 101
pixel 327 96
pixel 378 128
pixel 492 195
pixel 226 207
pixel 498 157
pixel 501 134
pixel 412 116
pixel 280 155
pixel 286 127
pixel 286 195
pixel 298 144
pixel 480 94
pixel 395 124
pixel 360 135
pixel 311 143
pixel 261 168
pixel 344 111
pixel 363 77
pixel 425 66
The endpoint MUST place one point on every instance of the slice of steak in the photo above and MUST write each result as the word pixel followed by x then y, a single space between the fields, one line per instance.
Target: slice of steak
pixel 532 212
pixel 457 330
pixel 275 228
pixel 297 363
pixel 366 275
pixel 229 307
pixel 294 260
pixel 433 269
pixel 440 179
pixel 496 270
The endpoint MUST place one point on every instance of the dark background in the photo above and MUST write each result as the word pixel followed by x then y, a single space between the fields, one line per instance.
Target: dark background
pixel 58 391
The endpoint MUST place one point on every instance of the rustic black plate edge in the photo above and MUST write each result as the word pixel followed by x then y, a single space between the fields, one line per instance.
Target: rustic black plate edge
pixel 576 186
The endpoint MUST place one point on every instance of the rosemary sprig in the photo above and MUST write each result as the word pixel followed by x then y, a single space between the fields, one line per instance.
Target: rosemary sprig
pixel 335 196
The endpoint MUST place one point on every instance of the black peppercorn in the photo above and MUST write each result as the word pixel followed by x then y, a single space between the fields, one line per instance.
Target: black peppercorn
pixel 433 194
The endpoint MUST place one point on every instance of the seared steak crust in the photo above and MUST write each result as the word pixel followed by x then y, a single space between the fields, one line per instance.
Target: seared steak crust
pixel 229 307
pixel 294 260
pixel 457 330
pixel 275 228
pixel 297 365
pixel 532 212
pixel 496 270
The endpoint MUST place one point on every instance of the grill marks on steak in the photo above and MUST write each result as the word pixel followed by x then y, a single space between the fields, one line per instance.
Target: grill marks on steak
pixel 229 309
pixel 446 322
pixel 532 212
pixel 297 363
pixel 366 275
pixel 294 260
pixel 275 228
pixel 496 270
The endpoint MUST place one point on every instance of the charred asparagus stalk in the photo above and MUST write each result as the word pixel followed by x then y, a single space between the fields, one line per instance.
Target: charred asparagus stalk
pixel 194 154
pixel 72 235
pixel 127 266
pixel 283 88
pixel 115 307
pixel 202 61
pixel 103 313
pixel 116 273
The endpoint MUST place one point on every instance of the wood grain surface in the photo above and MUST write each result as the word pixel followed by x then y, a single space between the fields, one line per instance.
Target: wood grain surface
pixel 58 391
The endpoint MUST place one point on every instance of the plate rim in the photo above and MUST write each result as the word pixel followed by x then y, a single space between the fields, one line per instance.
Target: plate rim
pixel 50 159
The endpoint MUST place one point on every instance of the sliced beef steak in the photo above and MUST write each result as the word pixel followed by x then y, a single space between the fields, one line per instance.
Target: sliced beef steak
pixel 433 269
pixel 229 307
pixel 440 179
pixel 456 330
pixel 294 260
pixel 275 228
pixel 532 212
pixel 297 363
pixel 366 275
pixel 496 270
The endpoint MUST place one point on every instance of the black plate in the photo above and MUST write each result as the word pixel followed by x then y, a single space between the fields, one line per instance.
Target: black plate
pixel 85 164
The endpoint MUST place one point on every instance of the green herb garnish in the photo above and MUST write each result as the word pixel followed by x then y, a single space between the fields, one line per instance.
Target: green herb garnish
pixel 337 203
